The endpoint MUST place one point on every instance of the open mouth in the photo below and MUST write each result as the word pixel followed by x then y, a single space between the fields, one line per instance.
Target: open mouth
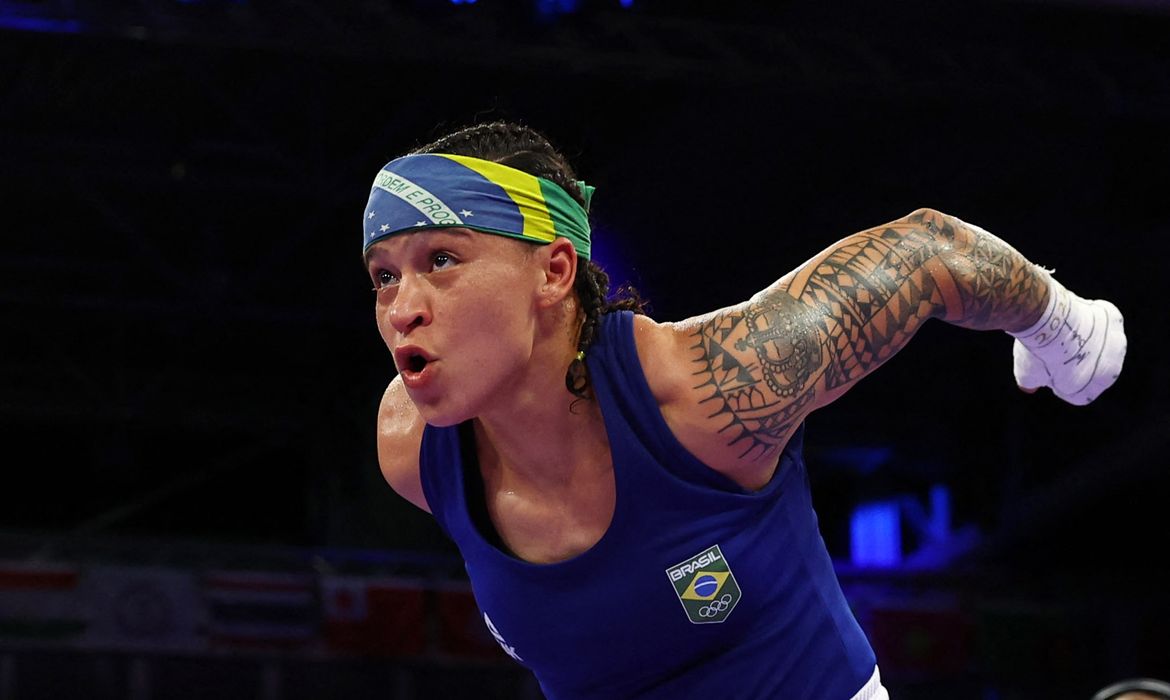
pixel 412 360
pixel 415 363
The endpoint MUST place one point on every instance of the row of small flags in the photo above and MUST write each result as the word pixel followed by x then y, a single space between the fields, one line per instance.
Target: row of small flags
pixel 166 610
pixel 156 609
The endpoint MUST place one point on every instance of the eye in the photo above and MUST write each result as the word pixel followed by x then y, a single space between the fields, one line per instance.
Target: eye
pixel 441 261
pixel 384 278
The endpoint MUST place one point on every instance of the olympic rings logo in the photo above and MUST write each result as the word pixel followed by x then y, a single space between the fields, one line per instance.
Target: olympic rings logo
pixel 716 606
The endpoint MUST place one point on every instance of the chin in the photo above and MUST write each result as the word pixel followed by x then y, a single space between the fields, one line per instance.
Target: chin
pixel 443 416
pixel 441 421
pixel 453 401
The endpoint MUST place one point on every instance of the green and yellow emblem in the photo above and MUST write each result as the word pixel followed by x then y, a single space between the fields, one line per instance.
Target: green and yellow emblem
pixel 705 586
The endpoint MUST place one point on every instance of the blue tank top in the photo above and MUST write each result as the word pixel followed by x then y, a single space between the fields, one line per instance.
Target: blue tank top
pixel 698 589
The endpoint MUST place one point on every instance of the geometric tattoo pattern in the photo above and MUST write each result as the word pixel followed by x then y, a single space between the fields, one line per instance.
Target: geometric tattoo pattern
pixel 760 366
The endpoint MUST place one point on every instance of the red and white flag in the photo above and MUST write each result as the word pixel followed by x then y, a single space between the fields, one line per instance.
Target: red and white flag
pixel 40 604
pixel 374 616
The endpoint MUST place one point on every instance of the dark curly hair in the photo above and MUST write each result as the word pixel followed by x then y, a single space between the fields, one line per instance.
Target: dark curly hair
pixel 524 148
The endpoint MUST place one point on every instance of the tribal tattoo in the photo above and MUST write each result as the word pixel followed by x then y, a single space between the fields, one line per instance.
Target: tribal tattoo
pixel 763 365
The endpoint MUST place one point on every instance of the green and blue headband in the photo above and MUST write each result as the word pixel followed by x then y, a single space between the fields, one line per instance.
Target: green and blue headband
pixel 436 190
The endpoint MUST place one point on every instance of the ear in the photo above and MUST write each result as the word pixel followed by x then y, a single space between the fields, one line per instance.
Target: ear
pixel 559 267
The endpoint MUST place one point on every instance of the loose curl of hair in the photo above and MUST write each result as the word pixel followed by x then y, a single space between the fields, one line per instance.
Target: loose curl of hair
pixel 525 149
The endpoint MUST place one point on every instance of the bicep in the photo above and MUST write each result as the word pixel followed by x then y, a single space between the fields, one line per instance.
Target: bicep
pixel 400 430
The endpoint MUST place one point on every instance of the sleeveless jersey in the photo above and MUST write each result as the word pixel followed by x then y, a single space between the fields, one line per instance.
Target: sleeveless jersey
pixel 698 589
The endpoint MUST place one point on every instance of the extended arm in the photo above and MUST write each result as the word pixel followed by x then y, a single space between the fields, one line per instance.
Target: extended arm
pixel 761 366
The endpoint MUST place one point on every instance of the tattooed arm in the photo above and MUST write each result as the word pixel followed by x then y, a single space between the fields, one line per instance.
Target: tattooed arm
pixel 755 370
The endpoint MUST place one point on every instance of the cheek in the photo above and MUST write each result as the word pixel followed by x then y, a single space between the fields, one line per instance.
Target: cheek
pixel 501 321
pixel 384 328
pixel 500 325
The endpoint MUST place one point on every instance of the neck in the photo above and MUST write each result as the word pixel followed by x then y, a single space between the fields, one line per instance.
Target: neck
pixel 532 439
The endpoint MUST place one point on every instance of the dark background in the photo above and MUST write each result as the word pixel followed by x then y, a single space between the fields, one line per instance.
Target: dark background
pixel 188 345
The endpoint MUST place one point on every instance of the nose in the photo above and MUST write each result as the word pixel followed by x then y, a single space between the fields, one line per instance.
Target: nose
pixel 411 305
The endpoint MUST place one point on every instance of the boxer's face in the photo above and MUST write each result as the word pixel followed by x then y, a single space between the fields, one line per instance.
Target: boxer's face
pixel 457 308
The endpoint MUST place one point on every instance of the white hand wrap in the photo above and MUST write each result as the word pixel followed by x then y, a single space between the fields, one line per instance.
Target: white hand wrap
pixel 1076 348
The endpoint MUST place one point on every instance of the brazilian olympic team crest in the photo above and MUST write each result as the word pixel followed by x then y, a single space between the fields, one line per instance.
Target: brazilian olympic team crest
pixel 705 586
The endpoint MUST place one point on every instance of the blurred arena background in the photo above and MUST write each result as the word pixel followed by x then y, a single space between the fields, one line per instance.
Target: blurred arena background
pixel 190 370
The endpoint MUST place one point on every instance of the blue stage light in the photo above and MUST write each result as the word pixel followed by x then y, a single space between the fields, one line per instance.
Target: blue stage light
pixel 51 25
pixel 549 9
pixel 876 535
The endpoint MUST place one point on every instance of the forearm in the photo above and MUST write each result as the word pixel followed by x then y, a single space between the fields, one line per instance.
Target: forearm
pixel 983 282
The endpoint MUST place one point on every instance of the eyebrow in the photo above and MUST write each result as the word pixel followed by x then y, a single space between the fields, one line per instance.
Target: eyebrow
pixel 461 232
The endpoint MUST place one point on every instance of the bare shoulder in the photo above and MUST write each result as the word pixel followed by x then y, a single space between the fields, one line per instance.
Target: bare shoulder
pixel 400 430
pixel 686 375
pixel 662 351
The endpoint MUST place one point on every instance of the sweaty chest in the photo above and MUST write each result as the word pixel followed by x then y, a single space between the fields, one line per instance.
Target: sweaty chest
pixel 545 526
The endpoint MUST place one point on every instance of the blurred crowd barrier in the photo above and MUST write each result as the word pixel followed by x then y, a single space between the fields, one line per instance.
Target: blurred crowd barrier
pixel 149 619
pixel 156 609
pixel 84 619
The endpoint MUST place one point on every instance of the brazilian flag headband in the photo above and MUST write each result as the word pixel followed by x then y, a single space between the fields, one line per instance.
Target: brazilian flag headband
pixel 434 190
